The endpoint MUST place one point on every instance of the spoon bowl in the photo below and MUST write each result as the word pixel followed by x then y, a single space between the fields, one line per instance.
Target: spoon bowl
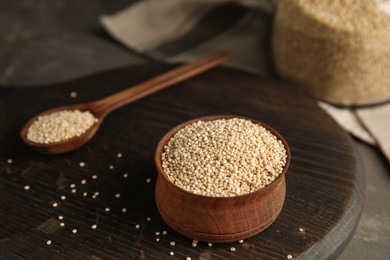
pixel 68 144
pixel 101 108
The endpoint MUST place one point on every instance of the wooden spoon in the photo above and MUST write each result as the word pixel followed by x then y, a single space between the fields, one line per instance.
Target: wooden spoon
pixel 101 108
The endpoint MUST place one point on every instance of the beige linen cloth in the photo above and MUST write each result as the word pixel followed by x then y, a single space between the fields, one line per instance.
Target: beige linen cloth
pixel 182 30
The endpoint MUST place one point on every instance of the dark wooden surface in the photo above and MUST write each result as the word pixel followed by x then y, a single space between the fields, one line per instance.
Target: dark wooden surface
pixel 324 183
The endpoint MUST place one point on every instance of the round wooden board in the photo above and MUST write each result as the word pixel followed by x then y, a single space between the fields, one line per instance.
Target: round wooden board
pixel 324 183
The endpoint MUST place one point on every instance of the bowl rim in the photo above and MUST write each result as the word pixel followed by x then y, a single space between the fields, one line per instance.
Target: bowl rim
pixel 164 140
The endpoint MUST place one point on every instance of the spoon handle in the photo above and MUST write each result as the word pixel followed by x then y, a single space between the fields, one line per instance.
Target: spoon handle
pixel 106 105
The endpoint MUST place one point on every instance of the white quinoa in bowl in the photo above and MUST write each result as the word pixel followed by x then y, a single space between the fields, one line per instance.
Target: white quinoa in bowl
pixel 223 157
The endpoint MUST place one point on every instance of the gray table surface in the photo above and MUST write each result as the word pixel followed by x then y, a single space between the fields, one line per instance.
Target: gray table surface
pixel 47 41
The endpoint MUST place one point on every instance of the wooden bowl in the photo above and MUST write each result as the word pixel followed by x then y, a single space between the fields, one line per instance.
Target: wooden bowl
pixel 218 219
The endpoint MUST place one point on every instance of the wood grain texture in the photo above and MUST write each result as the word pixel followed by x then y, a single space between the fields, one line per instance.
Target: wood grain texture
pixel 324 185
pixel 218 219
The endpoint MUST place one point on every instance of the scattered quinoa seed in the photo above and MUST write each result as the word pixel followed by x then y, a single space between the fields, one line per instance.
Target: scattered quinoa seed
pixel 63 197
pixel 232 249
pixel 94 196
pixel 229 157
pixel 60 217
pixel 289 257
pixel 210 244
pixel 157 239
pixel 111 167
pixel 48 242
pixel 73 190
pixel 74 231
pixel 124 210
pixel 171 253
pixel 72 185
pixel 73 94
pixel 94 226
pixel 27 187
pixel 125 175
pixel 149 219
pixel 59 126
pixel 157 233
pixel 148 180
pixel 107 209
pixel 85 194
pixel 10 161
pixel 194 243
pixel 172 243
pixel 83 181
pixel 119 155
pixel 241 241
pixel 137 226
pixel 82 164
pixel 55 204
pixel 164 232
pixel 301 229
pixel 94 177
pixel 117 195
pixel 188 258
pixel 62 224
